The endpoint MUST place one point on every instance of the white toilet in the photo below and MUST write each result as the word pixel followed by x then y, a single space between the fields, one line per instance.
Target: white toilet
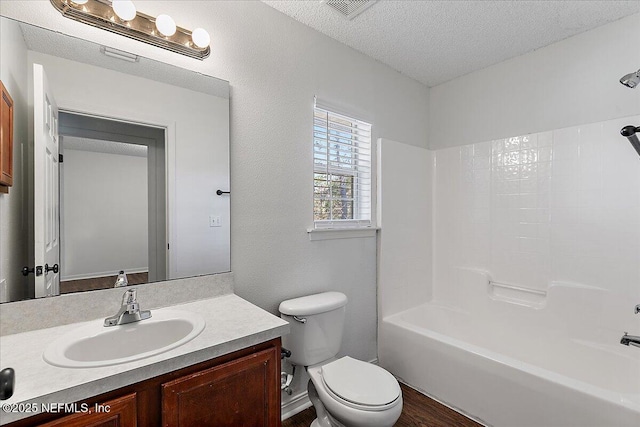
pixel 345 392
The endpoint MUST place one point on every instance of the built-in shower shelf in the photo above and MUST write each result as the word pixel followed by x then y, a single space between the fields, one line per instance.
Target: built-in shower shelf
pixel 515 294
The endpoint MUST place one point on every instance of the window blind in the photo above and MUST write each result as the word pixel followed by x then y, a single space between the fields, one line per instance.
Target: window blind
pixel 342 170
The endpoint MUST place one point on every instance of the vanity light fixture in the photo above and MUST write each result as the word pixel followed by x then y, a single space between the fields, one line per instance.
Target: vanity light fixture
pixel 201 37
pixel 166 25
pixel 121 17
pixel 125 9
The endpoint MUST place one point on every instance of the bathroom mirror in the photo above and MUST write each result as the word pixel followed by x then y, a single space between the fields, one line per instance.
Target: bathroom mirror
pixel 117 163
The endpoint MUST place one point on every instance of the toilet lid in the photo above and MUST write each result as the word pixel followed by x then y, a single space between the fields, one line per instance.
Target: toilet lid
pixel 360 382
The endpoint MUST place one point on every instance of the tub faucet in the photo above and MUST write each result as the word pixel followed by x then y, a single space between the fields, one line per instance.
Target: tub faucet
pixel 630 340
pixel 637 308
pixel 129 311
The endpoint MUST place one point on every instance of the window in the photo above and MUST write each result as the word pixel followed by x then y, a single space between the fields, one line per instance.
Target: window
pixel 341 170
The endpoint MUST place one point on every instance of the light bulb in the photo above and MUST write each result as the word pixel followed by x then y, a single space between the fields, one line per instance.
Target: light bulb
pixel 200 38
pixel 166 25
pixel 79 1
pixel 125 9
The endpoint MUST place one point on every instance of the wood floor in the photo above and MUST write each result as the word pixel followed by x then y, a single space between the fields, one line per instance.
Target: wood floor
pixel 418 410
pixel 104 282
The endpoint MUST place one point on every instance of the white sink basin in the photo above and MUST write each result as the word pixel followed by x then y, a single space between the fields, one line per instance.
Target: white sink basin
pixel 95 345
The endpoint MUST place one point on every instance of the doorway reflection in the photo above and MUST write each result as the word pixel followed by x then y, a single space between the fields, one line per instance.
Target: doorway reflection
pixel 110 217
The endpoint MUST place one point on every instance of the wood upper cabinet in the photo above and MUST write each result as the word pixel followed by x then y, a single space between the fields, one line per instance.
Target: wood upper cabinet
pixel 235 394
pixel 6 141
pixel 120 412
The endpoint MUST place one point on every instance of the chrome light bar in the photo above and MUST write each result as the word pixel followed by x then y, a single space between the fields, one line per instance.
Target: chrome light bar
pixel 100 14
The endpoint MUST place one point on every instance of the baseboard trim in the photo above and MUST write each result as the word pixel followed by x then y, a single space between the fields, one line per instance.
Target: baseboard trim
pixel 296 405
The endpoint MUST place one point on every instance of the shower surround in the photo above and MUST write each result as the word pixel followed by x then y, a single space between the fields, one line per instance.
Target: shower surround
pixel 536 273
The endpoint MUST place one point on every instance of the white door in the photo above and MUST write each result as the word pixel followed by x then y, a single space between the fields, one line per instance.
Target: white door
pixel 46 186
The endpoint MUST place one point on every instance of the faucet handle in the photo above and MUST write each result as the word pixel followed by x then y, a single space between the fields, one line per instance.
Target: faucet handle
pixel 129 297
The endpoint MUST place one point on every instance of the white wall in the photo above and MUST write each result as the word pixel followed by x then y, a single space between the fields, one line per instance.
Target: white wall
pixel 105 214
pixel 572 82
pixel 275 69
pixel 200 159
pixel 561 206
pixel 13 225
pixel 405 240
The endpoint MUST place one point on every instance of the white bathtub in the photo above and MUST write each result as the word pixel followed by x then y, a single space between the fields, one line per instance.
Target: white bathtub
pixel 516 362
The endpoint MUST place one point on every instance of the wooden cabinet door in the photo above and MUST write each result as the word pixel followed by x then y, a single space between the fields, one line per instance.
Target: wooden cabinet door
pixel 6 141
pixel 122 413
pixel 243 392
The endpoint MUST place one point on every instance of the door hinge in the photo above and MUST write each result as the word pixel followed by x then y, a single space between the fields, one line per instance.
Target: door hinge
pixel 60 158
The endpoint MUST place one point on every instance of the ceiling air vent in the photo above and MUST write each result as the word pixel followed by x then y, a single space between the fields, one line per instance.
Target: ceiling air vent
pixel 349 8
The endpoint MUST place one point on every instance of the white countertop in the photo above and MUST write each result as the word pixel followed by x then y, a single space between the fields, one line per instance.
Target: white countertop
pixel 231 324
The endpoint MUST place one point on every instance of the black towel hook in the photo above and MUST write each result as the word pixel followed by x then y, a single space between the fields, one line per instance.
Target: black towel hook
pixel 220 192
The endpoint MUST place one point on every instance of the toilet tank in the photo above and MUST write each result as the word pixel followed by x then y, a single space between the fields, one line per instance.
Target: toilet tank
pixel 316 323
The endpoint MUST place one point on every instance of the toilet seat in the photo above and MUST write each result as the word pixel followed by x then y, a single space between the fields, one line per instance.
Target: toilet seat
pixel 360 385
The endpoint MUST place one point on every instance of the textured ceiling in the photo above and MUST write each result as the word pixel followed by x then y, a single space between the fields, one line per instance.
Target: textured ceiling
pixel 436 41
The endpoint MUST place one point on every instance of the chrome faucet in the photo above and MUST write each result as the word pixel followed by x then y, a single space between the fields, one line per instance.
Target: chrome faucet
pixel 129 311
pixel 630 340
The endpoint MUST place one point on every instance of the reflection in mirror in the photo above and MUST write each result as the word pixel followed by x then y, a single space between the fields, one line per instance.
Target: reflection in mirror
pixel 87 164
pixel 114 174
pixel 117 160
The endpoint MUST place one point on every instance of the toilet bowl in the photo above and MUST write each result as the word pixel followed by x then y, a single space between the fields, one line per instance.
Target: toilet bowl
pixel 352 393
pixel 345 392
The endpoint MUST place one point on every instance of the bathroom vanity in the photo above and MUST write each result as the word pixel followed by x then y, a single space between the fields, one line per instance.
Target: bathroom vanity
pixel 241 388
pixel 173 125
pixel 227 375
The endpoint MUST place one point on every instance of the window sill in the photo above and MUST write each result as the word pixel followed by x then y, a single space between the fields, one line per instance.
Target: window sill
pixel 340 233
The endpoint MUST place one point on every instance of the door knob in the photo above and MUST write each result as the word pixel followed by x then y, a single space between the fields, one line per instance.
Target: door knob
pixel 26 270
pixel 47 269
pixel 7 383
